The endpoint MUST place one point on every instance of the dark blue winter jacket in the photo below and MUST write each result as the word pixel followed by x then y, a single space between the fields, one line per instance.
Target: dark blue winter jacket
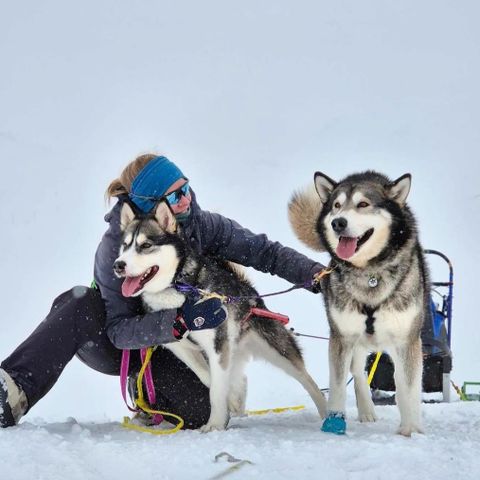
pixel 208 234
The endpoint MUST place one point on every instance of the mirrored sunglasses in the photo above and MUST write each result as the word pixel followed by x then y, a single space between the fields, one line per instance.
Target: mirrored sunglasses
pixel 174 197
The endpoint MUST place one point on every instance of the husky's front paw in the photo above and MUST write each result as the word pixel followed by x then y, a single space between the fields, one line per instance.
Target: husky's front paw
pixel 217 422
pixel 335 423
pixel 211 427
pixel 407 430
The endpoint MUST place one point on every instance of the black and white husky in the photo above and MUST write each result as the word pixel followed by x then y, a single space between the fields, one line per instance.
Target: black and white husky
pixel 155 254
pixel 378 293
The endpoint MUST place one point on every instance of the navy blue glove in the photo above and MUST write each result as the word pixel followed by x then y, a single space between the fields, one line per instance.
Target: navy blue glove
pixel 196 314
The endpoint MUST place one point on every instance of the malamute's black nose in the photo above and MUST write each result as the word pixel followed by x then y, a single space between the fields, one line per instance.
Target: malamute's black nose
pixel 119 267
pixel 339 224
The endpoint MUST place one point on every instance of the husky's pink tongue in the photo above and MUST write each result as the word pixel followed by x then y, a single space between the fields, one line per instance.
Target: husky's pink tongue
pixel 346 247
pixel 131 285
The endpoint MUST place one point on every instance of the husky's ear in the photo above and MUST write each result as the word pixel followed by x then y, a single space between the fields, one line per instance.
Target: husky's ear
pixel 126 216
pixel 400 189
pixel 324 186
pixel 165 218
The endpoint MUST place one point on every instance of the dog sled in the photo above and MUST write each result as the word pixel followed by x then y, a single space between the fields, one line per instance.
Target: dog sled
pixel 436 346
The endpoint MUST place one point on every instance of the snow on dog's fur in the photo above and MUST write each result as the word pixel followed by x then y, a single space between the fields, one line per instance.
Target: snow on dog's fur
pixel 152 258
pixel 377 296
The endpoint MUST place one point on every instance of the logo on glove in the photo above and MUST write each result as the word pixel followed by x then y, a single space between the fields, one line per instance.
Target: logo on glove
pixel 199 321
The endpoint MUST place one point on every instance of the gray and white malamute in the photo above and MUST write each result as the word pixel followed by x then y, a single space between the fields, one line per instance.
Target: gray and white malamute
pixel 154 252
pixel 378 293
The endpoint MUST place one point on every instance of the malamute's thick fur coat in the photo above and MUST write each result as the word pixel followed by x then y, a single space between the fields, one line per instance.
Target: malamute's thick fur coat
pixel 154 252
pixel 378 293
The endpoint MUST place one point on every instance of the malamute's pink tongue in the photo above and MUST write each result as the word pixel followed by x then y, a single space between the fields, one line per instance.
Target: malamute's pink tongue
pixel 131 285
pixel 346 247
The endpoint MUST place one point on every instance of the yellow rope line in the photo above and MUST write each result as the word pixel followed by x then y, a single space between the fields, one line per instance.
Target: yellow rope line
pixel 275 410
pixel 142 404
pixel 374 368
pixel 206 295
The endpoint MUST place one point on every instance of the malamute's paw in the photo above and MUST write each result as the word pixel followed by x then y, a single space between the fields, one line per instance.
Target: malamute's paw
pixel 365 417
pixel 407 430
pixel 335 423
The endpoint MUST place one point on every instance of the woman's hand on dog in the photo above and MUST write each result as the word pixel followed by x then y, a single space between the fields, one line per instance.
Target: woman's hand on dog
pixel 197 315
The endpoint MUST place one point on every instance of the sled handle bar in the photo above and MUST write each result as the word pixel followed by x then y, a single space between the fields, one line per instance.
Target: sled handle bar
pixel 448 284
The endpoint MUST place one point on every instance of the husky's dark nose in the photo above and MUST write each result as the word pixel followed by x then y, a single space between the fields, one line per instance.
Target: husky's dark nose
pixel 119 267
pixel 339 224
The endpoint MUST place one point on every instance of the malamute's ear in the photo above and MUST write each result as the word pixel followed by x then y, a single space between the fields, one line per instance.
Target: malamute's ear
pixel 400 189
pixel 165 218
pixel 324 186
pixel 126 216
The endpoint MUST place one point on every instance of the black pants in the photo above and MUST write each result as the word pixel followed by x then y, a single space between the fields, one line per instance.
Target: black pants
pixel 76 326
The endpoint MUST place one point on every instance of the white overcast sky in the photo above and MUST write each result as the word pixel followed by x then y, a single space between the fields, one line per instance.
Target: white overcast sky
pixel 250 99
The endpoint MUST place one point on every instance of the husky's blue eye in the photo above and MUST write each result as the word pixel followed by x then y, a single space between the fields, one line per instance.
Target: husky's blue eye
pixel 363 205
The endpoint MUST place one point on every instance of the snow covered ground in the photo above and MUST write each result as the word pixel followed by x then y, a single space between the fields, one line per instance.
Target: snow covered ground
pixel 250 99
pixel 280 446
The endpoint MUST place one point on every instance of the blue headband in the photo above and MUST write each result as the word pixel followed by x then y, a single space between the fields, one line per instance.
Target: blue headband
pixel 150 185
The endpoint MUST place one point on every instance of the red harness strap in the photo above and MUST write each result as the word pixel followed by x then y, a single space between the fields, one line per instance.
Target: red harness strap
pixel 261 312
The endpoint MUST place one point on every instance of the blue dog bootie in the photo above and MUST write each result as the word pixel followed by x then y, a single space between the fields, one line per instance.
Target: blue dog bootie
pixel 335 423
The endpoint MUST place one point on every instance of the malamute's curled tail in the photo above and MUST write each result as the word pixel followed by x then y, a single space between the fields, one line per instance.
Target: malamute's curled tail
pixel 303 211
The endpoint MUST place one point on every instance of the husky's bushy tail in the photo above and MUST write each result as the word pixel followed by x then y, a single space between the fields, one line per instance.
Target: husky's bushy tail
pixel 303 211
